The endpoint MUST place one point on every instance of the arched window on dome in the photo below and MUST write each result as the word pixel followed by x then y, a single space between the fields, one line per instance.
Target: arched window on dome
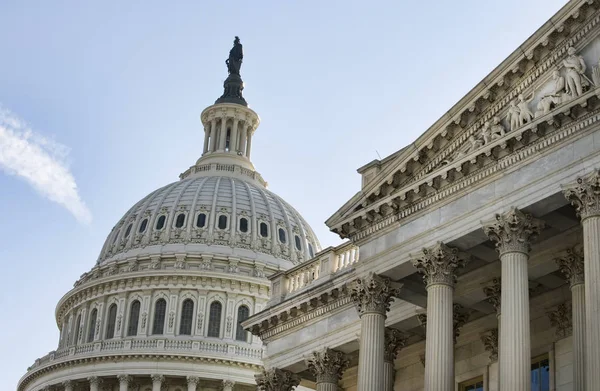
pixel 160 308
pixel 264 230
pixel 298 242
pixel 222 222
pixel 111 321
pixel 243 224
pixel 160 223
pixel 92 325
pixel 128 230
pixel 201 220
pixel 77 330
pixel 143 226
pixel 214 319
pixel 134 318
pixel 180 220
pixel 243 313
pixel 187 314
pixel 282 236
pixel 311 252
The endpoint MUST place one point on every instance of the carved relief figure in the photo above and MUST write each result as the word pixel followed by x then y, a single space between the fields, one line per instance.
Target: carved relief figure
pixel 513 115
pixel 525 114
pixel 557 96
pixel 497 129
pixel 575 78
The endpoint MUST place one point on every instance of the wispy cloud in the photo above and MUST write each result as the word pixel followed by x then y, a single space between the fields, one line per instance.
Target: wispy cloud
pixel 41 162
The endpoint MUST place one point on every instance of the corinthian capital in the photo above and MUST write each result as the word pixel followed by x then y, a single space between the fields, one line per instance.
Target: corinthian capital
pixel 328 365
pixel 438 264
pixel 395 340
pixel 584 194
pixel 490 342
pixel 124 378
pixel 571 265
pixel 513 231
pixel 493 291
pixel 276 379
pixel 193 380
pixel 373 294
pixel 561 318
pixel 459 318
pixel 94 380
pixel 156 378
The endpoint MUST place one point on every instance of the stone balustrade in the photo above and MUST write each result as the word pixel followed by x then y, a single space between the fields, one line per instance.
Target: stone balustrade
pixel 219 167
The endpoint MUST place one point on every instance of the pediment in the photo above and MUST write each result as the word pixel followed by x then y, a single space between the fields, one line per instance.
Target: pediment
pixel 551 81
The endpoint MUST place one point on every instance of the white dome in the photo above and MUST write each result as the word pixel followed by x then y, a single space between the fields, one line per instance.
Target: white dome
pixel 212 214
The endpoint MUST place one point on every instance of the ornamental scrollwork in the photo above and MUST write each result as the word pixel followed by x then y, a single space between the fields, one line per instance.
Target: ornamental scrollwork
pixel 584 194
pixel 513 231
pixel 395 340
pixel 438 264
pixel 571 265
pixel 327 365
pixel 493 293
pixel 561 319
pixel 490 342
pixel 459 318
pixel 373 293
pixel 276 379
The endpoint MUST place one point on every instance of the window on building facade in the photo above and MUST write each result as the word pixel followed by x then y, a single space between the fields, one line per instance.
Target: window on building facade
pixel 92 325
pixel 111 321
pixel 243 224
pixel 222 222
pixel 214 319
pixel 161 222
pixel 201 220
pixel 475 384
pixel 143 226
pixel 298 243
pixel 242 315
pixel 134 318
pixel 160 308
pixel 264 230
pixel 187 313
pixel 540 373
pixel 282 237
pixel 128 230
pixel 180 220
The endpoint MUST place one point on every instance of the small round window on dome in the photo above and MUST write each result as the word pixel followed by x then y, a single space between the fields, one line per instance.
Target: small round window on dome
pixel 143 226
pixel 298 243
pixel 264 230
pixel 282 236
pixel 311 252
pixel 201 220
pixel 222 222
pixel 244 224
pixel 128 230
pixel 180 220
pixel 161 222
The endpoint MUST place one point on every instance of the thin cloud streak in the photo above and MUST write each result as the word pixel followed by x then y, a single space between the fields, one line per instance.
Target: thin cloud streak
pixel 40 162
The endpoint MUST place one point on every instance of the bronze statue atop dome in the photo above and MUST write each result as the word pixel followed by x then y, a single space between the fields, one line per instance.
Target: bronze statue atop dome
pixel 236 55
pixel 234 85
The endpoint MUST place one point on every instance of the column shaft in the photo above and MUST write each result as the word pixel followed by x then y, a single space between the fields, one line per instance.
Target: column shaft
pixel 243 137
pixel 213 135
pixel 223 134
pixel 327 387
pixel 206 138
pixel 388 376
pixel 123 386
pixel 515 353
pixel 370 360
pixel 578 308
pixel 439 343
pixel 249 146
pixel 233 146
pixel 591 254
pixel 192 386
pixel 93 386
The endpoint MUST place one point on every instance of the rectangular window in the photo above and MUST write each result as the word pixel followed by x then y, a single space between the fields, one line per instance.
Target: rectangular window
pixel 540 373
pixel 475 384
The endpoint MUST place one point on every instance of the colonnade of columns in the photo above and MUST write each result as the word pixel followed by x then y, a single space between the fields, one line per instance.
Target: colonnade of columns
pixel 216 134
pixel 94 383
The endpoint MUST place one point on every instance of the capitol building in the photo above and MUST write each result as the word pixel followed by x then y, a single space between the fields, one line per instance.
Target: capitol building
pixel 471 259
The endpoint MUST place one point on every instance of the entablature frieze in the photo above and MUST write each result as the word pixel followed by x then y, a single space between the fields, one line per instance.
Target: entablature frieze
pixel 408 178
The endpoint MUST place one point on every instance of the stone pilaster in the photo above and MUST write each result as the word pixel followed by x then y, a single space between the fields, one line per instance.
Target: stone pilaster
pixel 512 232
pixel 192 382
pixel 328 366
pixel 438 265
pixel 584 194
pixel 372 297
pixel 228 385
pixel 157 381
pixel 276 379
pixel 95 382
pixel 490 343
pixel 68 385
pixel 124 381
pixel 395 340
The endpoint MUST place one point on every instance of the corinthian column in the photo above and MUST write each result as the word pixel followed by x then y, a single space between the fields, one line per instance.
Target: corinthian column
pixel 228 385
pixel 328 366
pixel 192 382
pixel 395 340
pixel 94 382
pixel 585 196
pixel 571 265
pixel 438 265
pixel 276 379
pixel 512 233
pixel 372 297
pixel 157 381
pixel 124 381
pixel 68 385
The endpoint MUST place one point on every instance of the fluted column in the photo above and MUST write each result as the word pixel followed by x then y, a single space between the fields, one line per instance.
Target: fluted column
pixel 157 381
pixel 512 232
pixel 124 381
pixel 585 196
pixel 192 382
pixel 243 137
pixel 228 385
pixel 438 265
pixel 68 385
pixel 328 367
pixel 571 265
pixel 395 340
pixel 206 139
pixel 213 135
pixel 276 379
pixel 233 138
pixel 249 145
pixel 94 383
pixel 372 297
pixel 223 134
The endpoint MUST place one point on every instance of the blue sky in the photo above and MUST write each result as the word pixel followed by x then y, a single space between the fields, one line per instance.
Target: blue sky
pixel 112 93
